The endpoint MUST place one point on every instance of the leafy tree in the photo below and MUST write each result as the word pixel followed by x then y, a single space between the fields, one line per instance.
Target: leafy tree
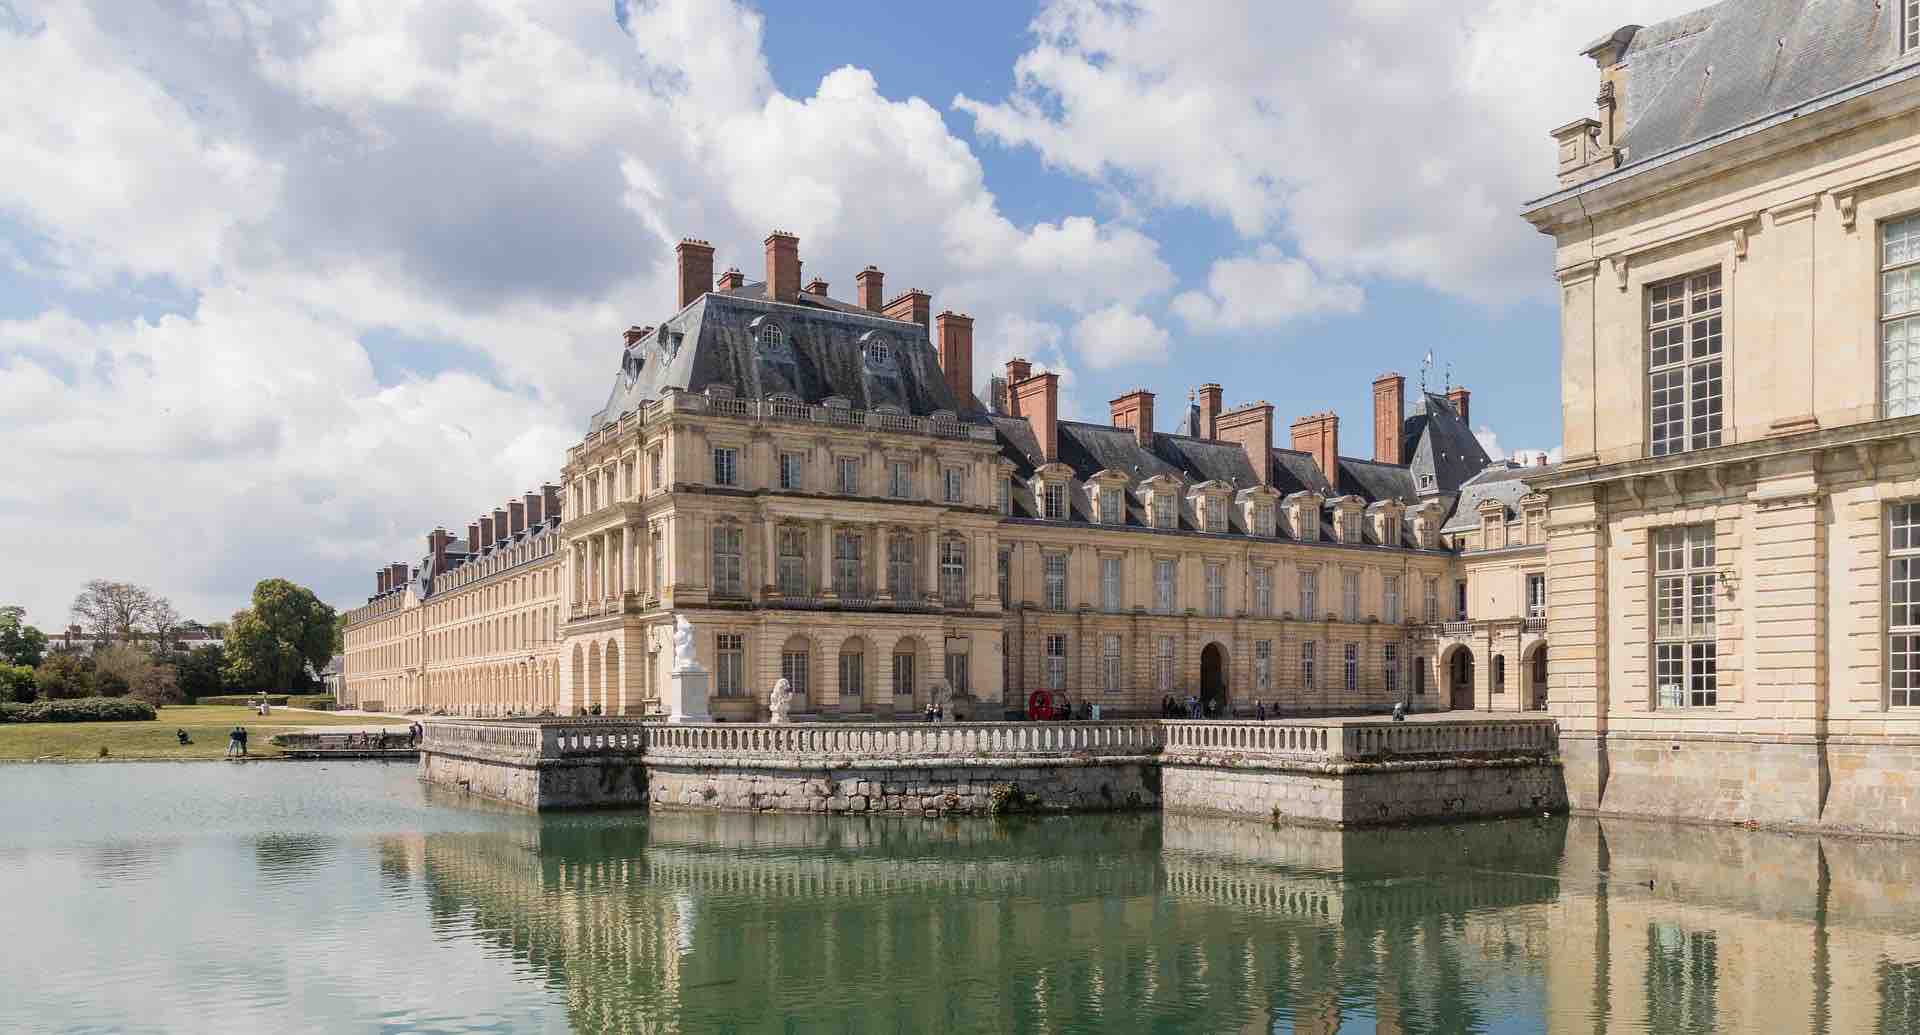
pixel 158 684
pixel 201 671
pixel 272 644
pixel 20 643
pixel 119 667
pixel 164 621
pixel 64 674
pixel 120 610
pixel 16 683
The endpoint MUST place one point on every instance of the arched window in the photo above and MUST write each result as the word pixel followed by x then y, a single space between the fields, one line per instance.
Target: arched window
pixel 769 337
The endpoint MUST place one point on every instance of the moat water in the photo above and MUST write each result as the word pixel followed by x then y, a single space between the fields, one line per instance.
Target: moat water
pixel 347 897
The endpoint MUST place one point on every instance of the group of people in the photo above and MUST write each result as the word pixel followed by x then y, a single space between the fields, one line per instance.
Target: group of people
pixel 1195 708
pixel 385 739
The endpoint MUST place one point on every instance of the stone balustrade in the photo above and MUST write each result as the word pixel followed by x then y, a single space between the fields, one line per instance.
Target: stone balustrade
pixel 894 743
pixel 1336 742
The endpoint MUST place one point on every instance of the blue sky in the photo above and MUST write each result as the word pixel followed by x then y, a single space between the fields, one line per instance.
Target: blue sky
pixel 283 288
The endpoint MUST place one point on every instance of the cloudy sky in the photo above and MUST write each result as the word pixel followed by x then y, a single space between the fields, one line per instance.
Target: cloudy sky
pixel 283 285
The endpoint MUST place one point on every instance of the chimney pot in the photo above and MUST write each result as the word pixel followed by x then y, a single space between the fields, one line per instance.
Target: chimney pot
pixel 871 297
pixel 695 259
pixel 1457 398
pixel 817 288
pixel 732 279
pixel 1389 410
pixel 783 266
pixel 912 305
pixel 634 334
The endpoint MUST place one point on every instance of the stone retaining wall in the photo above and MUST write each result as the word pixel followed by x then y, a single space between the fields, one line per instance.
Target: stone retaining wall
pixel 560 784
pixel 917 790
pixel 1367 794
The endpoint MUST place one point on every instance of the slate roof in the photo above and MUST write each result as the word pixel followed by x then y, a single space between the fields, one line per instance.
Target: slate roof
pixel 1437 443
pixel 1507 484
pixel 1721 67
pixel 712 342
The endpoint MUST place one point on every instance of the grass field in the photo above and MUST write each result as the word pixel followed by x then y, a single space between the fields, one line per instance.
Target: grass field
pixel 206 724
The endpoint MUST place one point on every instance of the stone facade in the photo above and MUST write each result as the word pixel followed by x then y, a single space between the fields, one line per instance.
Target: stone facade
pixel 1723 533
pixel 1368 794
pixel 957 789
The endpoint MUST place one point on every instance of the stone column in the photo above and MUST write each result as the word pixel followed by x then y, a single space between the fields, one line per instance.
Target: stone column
pixel 878 563
pixel 932 562
pixel 1577 690
pixel 770 535
pixel 1787 536
pixel 826 559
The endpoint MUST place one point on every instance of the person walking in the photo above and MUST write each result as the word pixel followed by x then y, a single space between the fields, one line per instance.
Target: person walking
pixel 237 742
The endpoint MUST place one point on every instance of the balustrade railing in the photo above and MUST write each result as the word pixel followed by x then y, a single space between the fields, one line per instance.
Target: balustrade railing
pixel 908 741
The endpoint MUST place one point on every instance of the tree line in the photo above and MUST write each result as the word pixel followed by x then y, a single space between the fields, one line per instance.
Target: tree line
pixel 280 642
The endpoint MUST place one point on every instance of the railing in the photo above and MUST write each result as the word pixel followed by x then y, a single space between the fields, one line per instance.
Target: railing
pixel 1335 741
pixel 494 741
pixel 609 736
pixel 355 742
pixel 908 741
pixel 1535 625
pixel 1302 741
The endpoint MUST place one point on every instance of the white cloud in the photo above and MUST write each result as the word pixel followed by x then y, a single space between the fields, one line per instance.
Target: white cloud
pixel 1118 336
pixel 1264 290
pixel 1490 441
pixel 1383 139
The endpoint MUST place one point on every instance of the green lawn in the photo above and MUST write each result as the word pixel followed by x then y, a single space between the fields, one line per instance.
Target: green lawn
pixel 206 724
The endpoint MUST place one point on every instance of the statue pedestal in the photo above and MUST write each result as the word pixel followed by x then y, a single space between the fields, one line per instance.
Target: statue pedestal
pixel 687 695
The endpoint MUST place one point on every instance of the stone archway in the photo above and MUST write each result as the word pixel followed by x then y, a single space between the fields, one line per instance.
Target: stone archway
pixel 1534 671
pixel 1213 680
pixel 1457 669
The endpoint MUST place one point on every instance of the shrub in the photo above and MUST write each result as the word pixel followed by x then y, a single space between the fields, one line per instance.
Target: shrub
pixel 17 684
pixel 243 700
pixel 80 709
pixel 64 674
pixel 323 703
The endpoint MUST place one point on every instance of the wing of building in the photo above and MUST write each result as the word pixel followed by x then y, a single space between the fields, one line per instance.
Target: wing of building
pixel 817 487
pixel 1737 236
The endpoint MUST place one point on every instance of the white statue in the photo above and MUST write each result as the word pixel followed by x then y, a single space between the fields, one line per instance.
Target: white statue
pixel 779 702
pixel 683 644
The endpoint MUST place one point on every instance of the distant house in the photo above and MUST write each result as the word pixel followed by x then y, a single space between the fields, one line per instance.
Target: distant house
pixel 333 677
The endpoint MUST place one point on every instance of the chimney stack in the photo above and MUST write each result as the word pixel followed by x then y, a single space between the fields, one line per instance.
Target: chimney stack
pixel 1319 434
pixel 696 269
pixel 783 266
pixel 487 538
pixel 380 578
pixel 552 506
pixel 1209 411
pixel 634 334
pixel 1134 411
pixel 1389 408
pixel 473 538
pixel 1018 370
pixel 1457 397
pixel 398 579
pixel 871 297
pixel 1038 400
pixel 1251 428
pixel 817 288
pixel 535 513
pixel 913 305
pixel 437 542
pixel 516 516
pixel 499 524
pixel 732 279
pixel 954 334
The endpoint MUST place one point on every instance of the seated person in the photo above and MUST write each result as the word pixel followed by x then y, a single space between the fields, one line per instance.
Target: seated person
pixel 181 735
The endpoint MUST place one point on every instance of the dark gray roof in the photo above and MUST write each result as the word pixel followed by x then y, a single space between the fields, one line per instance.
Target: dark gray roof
pixel 1506 483
pixel 1721 67
pixel 1438 443
pixel 712 342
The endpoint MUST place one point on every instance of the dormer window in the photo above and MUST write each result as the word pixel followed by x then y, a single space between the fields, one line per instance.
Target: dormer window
pixel 1216 510
pixel 1426 480
pixel 877 352
pixel 1111 510
pixel 768 337
pixel 1162 511
pixel 1263 519
pixel 1056 501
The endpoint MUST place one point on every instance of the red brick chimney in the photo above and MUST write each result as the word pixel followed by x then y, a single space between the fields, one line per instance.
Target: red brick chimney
pixel 953 333
pixel 552 507
pixel 783 266
pixel 499 524
pixel 816 287
pixel 380 580
pixel 732 279
pixel 516 516
pixel 487 536
pixel 1018 370
pixel 1389 407
pixel 871 297
pixel 1038 399
pixel 696 269
pixel 1251 428
pixel 437 541
pixel 912 305
pixel 1209 410
pixel 398 579
pixel 1134 411
pixel 473 537
pixel 634 334
pixel 535 513
pixel 1319 434
pixel 1458 398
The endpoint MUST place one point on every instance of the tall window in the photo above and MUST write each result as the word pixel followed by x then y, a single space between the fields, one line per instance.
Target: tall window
pixel 1309 595
pixel 1263 592
pixel 656 544
pixel 791 466
pixel 1390 596
pixel 1537 594
pixel 846 564
pixel 1263 519
pixel 793 562
pixel 1110 584
pixel 1903 611
pixel 1263 664
pixel 1460 600
pixel 953 572
pixel 656 478
pixel 1216 590
pixel 1900 298
pixel 1056 662
pixel 847 472
pixel 729 675
pixel 1499 673
pixel 726 461
pixel 900 479
pixel 1909 25
pixel 1164 589
pixel 1684 348
pixel 903 673
pixel 794 668
pixel 1352 658
pixel 1002 496
pixel 1056 581
pixel 1055 497
pixel 1216 509
pixel 1430 605
pixel 1350 595
pixel 1110 663
pixel 853 673
pixel 1685 662
pixel 1111 512
pixel 957 671
pixel 1163 664
pixel 726 560
pixel 1390 668
pixel 1308 677
pixel 1006 576
pixel 900 566
pixel 1162 508
pixel 956 484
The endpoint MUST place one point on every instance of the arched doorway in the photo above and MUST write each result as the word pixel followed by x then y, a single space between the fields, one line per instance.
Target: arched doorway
pixel 1213 680
pixel 1460 679
pixel 1537 679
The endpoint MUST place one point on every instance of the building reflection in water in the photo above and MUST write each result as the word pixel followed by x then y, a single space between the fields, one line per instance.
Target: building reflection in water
pixel 686 922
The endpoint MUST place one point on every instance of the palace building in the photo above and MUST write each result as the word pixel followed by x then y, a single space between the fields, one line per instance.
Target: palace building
pixel 1730 570
pixel 815 484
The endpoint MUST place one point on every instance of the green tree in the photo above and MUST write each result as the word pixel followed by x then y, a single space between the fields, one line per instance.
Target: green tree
pixel 201 671
pixel 118 668
pixel 64 674
pixel 17 683
pixel 20 643
pixel 271 645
